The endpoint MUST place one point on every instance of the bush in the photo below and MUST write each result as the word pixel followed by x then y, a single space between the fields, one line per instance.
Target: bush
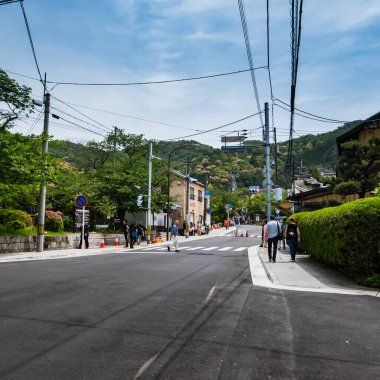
pixel 345 237
pixel 15 219
pixel 53 221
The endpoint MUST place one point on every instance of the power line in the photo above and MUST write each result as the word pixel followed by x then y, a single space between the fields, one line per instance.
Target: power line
pixel 213 129
pixel 4 2
pixel 83 121
pixel 80 126
pixel 308 113
pixel 132 117
pixel 81 113
pixel 312 118
pixel 158 82
pixel 31 41
pixel 249 55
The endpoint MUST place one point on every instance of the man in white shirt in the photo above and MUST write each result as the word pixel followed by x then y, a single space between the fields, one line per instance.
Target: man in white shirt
pixel 271 232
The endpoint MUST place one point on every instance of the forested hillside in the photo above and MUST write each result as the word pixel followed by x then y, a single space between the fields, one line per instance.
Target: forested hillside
pixel 220 168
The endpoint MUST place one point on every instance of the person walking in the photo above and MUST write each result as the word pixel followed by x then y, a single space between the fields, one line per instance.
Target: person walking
pixel 133 235
pixel 283 226
pixel 292 235
pixel 271 232
pixel 140 233
pixel 126 232
pixel 174 238
pixel 263 223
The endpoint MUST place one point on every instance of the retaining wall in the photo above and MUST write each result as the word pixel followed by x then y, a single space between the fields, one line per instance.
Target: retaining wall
pixel 11 244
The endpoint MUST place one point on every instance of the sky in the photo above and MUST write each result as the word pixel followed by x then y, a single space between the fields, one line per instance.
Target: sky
pixel 128 41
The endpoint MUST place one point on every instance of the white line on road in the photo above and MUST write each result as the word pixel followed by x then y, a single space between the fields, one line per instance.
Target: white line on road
pixel 145 367
pixel 210 294
pixel 225 249
pixel 240 249
pixel 193 248
pixel 209 248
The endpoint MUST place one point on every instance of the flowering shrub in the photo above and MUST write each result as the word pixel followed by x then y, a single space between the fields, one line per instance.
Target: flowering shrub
pixel 53 221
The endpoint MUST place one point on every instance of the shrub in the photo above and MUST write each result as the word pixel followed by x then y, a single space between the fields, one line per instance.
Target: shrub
pixel 344 237
pixel 15 219
pixel 53 221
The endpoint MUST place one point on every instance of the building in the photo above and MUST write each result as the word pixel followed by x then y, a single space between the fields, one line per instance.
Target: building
pixel 362 132
pixel 189 198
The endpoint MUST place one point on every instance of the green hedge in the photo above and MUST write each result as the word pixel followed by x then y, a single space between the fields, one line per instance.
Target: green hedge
pixel 345 237
pixel 15 219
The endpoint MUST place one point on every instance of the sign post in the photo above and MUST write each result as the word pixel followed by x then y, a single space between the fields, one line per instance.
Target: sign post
pixel 81 201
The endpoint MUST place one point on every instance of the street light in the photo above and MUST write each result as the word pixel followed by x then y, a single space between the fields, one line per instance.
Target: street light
pixel 149 211
pixel 169 164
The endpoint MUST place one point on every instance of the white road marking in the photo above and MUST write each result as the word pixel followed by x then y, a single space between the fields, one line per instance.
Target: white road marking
pixel 210 294
pixel 209 249
pixel 225 249
pixel 145 367
pixel 193 248
pixel 240 249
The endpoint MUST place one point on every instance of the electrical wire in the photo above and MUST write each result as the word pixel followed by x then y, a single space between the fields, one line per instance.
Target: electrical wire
pixel 249 55
pixel 81 113
pixel 308 113
pixel 5 2
pixel 312 118
pixel 30 130
pixel 213 129
pixel 31 41
pixel 81 120
pixel 80 126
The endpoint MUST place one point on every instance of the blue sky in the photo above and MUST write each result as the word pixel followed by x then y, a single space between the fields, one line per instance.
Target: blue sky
pixel 137 41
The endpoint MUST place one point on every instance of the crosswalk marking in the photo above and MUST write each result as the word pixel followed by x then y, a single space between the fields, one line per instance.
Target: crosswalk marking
pixel 225 249
pixel 240 249
pixel 189 248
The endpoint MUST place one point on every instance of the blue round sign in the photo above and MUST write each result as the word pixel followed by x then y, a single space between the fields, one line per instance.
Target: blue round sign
pixel 81 201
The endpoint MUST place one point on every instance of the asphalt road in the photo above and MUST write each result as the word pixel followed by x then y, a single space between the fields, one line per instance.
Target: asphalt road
pixel 150 314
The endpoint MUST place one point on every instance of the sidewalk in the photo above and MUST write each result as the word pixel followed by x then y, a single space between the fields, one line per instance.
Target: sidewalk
pixel 73 252
pixel 305 274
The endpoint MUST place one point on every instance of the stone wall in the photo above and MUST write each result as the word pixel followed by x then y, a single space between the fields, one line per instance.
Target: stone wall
pixel 11 244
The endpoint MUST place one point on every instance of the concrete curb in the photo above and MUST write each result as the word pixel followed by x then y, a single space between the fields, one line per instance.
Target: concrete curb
pixel 261 277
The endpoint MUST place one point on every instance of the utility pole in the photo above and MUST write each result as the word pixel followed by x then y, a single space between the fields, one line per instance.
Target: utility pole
pixel 267 161
pixel 187 217
pixel 41 207
pixel 149 192
pixel 276 155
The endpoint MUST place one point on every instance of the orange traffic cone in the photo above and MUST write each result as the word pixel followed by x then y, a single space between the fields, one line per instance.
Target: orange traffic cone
pixel 102 244
pixel 116 242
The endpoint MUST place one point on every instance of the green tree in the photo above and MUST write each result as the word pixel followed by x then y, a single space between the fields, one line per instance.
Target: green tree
pixel 358 168
pixel 16 98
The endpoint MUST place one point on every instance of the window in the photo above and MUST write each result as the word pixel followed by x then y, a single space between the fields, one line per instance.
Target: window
pixel 200 196
pixel 192 195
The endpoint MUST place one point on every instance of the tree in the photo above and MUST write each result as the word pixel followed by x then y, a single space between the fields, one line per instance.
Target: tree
pixel 16 97
pixel 359 167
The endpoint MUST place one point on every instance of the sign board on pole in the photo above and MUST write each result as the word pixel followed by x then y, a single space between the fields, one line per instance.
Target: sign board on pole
pixel 78 217
pixel 81 201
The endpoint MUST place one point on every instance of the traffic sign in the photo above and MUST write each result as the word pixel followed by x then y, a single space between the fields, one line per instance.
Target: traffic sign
pixel 81 201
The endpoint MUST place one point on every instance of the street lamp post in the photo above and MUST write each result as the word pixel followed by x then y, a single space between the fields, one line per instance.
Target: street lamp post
pixel 168 194
pixel 149 211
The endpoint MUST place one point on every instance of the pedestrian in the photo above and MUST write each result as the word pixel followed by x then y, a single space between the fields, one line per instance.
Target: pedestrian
pixel 283 226
pixel 263 223
pixel 226 223
pixel 271 233
pixel 292 235
pixel 86 234
pixel 140 233
pixel 126 232
pixel 133 235
pixel 174 237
